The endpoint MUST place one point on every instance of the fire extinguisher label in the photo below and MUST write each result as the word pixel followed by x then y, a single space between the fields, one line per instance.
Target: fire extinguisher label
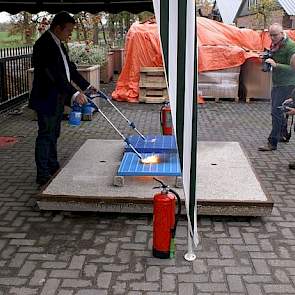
pixel 169 120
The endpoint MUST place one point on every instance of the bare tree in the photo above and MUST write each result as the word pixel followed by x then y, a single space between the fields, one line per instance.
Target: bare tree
pixel 83 24
pixel 263 11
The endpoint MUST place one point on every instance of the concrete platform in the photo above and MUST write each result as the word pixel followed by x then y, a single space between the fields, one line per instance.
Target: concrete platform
pixel 227 184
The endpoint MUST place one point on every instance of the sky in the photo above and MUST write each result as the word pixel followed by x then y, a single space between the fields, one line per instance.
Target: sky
pixel 4 17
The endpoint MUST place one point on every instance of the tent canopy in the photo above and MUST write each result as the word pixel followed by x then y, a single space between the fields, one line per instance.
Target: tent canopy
pixel 75 6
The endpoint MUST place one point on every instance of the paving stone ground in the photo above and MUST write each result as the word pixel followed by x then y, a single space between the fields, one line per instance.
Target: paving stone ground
pixel 64 253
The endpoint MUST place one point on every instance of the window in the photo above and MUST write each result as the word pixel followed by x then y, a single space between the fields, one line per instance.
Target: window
pixel 251 3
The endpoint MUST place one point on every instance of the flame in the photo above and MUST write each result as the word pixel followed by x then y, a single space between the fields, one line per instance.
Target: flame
pixel 151 160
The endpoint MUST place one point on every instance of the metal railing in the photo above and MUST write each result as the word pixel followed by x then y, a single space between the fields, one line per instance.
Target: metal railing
pixel 14 87
pixel 5 52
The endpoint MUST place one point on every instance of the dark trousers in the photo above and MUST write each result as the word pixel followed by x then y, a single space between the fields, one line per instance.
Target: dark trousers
pixel 46 143
pixel 279 123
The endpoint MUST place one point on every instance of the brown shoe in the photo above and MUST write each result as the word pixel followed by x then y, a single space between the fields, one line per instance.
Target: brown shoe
pixel 267 148
pixel 292 165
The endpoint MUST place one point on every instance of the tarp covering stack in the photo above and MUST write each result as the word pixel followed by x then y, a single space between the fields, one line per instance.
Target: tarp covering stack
pixel 142 49
pixel 220 46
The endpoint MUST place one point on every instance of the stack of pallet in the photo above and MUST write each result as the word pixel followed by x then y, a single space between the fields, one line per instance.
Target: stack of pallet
pixel 152 85
pixel 220 84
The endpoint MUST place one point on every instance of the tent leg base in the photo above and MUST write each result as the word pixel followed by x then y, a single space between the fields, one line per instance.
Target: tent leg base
pixel 190 256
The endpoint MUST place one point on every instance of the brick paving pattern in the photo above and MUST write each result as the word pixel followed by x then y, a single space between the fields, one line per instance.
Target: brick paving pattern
pixel 64 253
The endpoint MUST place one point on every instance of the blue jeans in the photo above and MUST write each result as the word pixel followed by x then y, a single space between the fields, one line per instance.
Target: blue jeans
pixel 46 143
pixel 279 123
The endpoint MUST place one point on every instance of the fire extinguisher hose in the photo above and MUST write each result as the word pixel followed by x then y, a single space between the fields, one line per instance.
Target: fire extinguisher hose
pixel 161 117
pixel 173 230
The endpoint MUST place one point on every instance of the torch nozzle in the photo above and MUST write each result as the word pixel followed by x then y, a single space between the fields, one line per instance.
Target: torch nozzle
pixel 133 148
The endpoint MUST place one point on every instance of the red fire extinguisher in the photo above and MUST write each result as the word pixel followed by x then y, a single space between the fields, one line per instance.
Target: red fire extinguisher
pixel 166 119
pixel 165 221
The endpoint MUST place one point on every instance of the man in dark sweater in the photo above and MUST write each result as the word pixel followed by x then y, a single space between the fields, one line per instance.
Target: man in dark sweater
pixel 283 79
pixel 52 89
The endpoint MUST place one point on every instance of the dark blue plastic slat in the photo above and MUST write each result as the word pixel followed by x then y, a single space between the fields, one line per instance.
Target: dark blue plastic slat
pixel 153 144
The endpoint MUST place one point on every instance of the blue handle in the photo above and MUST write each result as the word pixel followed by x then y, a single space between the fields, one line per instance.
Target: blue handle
pixel 103 95
pixel 98 94
pixel 92 104
pixel 76 107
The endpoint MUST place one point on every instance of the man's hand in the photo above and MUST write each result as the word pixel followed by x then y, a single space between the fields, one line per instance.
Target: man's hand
pixel 81 99
pixel 91 90
pixel 291 112
pixel 271 62
pixel 288 101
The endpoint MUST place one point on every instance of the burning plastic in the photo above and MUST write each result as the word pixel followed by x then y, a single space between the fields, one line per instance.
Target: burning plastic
pixel 154 159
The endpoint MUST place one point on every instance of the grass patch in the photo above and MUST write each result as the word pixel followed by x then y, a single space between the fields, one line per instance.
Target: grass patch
pixel 7 40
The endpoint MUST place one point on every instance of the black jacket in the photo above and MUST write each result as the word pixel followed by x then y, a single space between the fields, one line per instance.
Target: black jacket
pixel 50 85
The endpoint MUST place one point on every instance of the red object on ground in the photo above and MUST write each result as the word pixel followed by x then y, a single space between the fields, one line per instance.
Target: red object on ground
pixel 200 99
pixel 166 120
pixel 7 140
pixel 164 221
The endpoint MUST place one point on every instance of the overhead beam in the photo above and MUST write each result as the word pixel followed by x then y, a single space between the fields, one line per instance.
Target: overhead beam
pixel 75 6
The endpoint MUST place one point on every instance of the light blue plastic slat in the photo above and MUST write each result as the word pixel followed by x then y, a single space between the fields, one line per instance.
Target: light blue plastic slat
pixel 132 166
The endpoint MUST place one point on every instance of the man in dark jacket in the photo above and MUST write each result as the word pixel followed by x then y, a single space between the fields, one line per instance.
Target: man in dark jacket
pixel 52 89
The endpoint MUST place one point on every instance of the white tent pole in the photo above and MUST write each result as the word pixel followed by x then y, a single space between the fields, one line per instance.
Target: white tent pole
pixel 176 23
pixel 190 163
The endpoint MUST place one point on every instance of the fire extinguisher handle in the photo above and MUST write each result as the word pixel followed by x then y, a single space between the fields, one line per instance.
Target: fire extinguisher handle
pixel 163 185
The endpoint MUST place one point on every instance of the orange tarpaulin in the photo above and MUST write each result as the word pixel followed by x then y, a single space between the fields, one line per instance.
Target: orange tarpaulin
pixel 210 32
pixel 222 46
pixel 142 49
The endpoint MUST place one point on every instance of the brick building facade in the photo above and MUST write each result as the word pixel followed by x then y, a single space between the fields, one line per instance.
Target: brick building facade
pixel 251 21
pixel 246 19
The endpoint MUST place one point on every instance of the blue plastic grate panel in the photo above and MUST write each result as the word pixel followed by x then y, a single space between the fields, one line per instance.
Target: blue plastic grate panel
pixel 153 144
pixel 132 166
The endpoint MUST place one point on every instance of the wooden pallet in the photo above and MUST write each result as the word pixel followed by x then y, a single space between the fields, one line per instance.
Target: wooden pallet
pixel 152 85
pixel 153 95
pixel 152 77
